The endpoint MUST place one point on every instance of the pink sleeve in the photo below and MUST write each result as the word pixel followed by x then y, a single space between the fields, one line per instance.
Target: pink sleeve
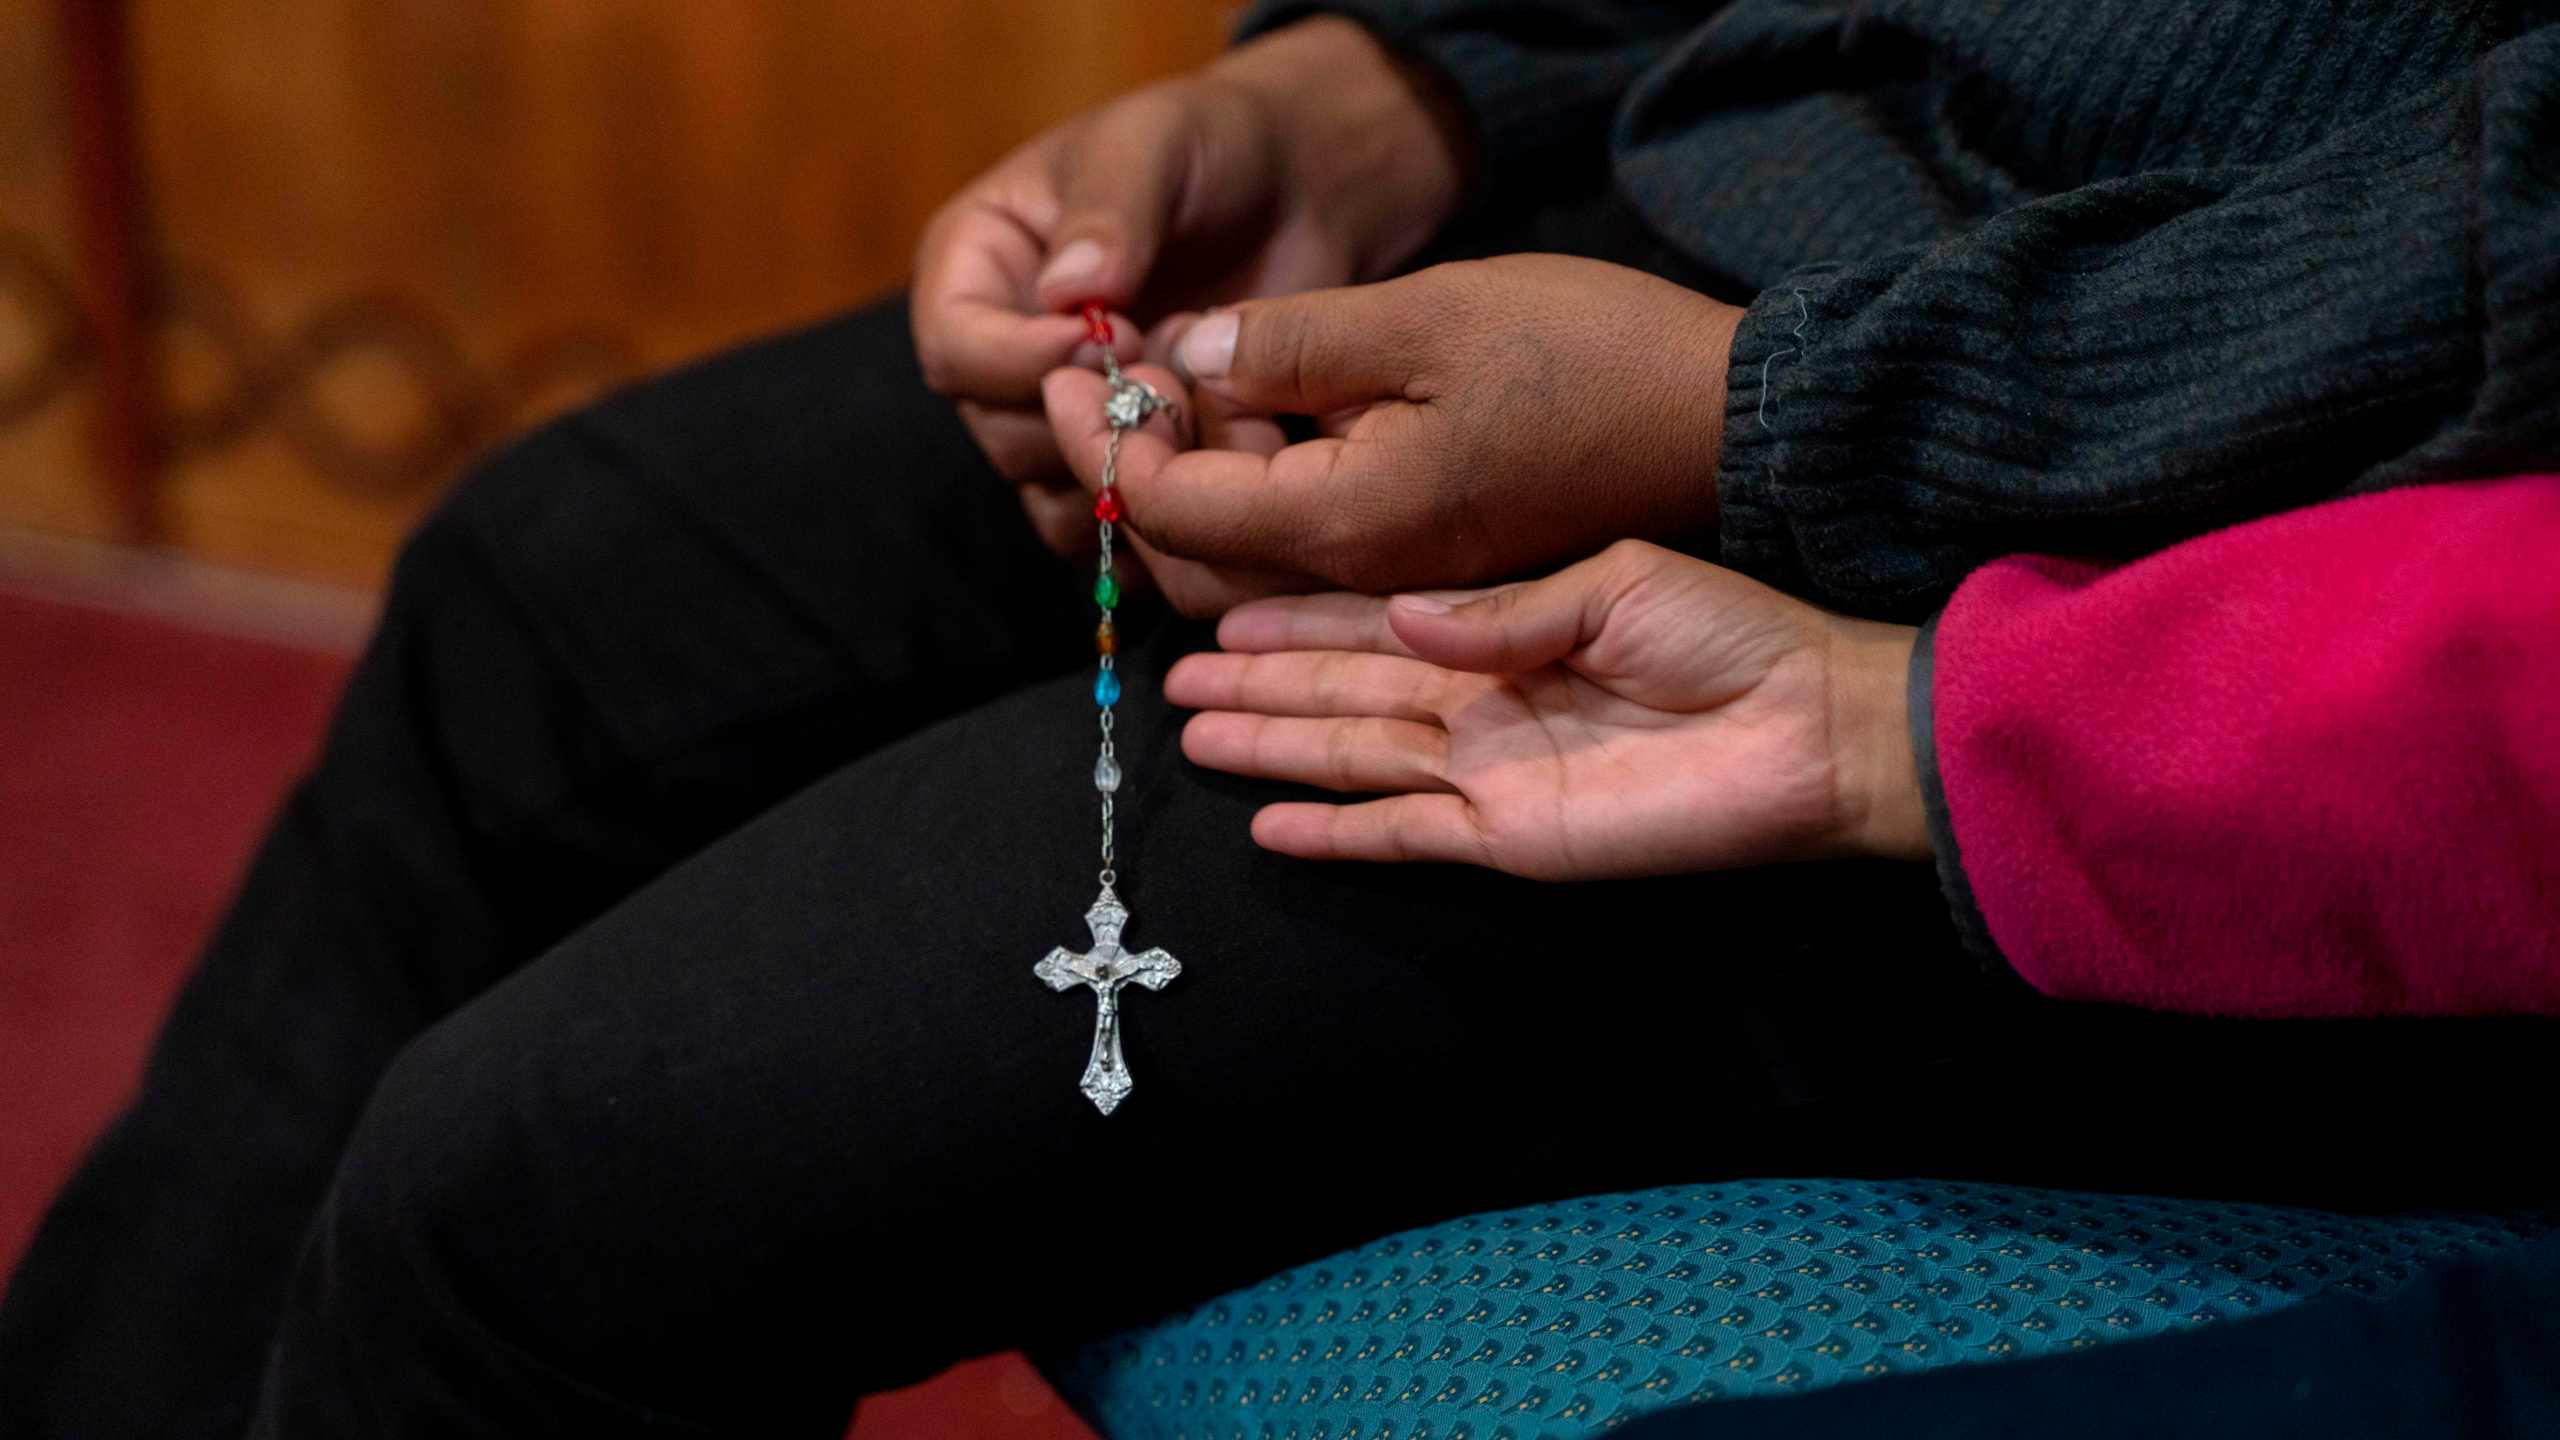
pixel 2306 766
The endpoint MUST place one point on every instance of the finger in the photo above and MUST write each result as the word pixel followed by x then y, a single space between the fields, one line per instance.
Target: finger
pixel 992 353
pixel 1018 444
pixel 1404 827
pixel 1339 422
pixel 1073 399
pixel 1222 424
pixel 1244 434
pixel 1166 334
pixel 1282 511
pixel 1117 184
pixel 1204 592
pixel 1063 519
pixel 1334 621
pixel 1315 353
pixel 1174 426
pixel 1518 628
pixel 1197 590
pixel 976 332
pixel 1127 341
pixel 1310 682
pixel 1363 756
pixel 1228 508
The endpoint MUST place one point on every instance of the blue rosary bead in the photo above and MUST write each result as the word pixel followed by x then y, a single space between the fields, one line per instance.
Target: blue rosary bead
pixel 1106 688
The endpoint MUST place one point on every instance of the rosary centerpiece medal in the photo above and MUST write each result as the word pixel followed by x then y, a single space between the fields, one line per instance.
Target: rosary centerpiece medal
pixel 1107 968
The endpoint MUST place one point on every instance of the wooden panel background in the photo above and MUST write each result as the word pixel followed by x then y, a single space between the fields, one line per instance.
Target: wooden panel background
pixel 45 476
pixel 386 231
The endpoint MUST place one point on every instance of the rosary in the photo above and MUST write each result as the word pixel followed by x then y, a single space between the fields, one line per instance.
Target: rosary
pixel 1106 968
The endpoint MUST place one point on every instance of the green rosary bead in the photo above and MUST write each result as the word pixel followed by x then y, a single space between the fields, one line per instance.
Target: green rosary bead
pixel 1106 590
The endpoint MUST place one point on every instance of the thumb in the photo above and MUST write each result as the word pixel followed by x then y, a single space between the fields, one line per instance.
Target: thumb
pixel 1530 625
pixel 1509 631
pixel 1116 191
pixel 1309 354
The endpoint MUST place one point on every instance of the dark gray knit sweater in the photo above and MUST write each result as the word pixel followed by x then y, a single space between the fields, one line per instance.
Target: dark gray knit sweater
pixel 2059 275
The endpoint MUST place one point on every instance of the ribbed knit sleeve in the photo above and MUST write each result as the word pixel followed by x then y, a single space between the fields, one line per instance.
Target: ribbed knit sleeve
pixel 2306 766
pixel 1540 78
pixel 2109 368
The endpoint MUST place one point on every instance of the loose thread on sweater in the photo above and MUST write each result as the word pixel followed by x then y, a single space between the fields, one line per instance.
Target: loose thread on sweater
pixel 1804 317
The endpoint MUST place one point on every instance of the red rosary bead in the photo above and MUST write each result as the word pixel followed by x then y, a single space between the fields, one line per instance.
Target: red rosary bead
pixel 1106 506
pixel 1097 323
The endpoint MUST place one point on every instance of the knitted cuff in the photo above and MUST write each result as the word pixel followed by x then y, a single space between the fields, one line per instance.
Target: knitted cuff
pixel 1751 472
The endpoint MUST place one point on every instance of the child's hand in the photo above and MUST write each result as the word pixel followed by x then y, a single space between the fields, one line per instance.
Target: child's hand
pixel 1637 713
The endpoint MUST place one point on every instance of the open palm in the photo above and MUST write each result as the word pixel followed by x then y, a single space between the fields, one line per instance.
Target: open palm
pixel 1638 713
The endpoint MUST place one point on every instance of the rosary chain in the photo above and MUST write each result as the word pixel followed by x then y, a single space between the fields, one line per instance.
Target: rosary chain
pixel 1108 762
pixel 1131 403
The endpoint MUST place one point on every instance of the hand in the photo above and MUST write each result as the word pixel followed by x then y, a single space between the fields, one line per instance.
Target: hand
pixel 1638 713
pixel 1307 158
pixel 1076 398
pixel 1481 419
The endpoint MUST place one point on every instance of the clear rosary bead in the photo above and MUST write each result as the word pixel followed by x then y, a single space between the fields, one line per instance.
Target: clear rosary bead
pixel 1106 775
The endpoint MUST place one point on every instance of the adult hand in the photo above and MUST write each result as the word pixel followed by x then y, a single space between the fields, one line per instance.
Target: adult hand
pixel 1076 399
pixel 1637 713
pixel 1308 158
pixel 1481 419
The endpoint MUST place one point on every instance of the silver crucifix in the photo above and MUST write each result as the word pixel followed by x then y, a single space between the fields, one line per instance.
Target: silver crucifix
pixel 1104 969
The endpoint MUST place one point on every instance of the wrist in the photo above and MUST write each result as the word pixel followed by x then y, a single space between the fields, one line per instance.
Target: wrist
pixel 1703 349
pixel 1878 806
pixel 1377 147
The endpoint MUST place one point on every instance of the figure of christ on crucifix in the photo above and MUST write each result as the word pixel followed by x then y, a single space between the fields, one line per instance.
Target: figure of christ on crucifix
pixel 1104 969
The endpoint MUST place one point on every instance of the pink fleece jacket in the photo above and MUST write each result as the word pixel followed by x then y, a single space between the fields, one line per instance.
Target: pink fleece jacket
pixel 2305 766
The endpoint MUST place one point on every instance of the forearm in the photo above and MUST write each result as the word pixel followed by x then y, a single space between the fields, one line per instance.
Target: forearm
pixel 2120 366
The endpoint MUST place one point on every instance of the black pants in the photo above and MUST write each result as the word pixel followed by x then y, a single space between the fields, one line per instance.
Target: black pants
pixel 630 1019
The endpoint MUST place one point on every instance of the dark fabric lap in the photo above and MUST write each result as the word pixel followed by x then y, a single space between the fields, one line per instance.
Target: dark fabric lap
pixel 797 1121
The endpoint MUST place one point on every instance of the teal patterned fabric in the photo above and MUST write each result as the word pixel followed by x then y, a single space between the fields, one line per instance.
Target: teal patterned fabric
pixel 1566 1320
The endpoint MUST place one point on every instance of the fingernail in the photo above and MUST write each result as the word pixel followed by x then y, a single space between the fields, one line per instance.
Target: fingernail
pixel 1420 605
pixel 1079 262
pixel 1208 349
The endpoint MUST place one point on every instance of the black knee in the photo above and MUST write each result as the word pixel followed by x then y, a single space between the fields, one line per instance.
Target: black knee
pixel 433 1275
pixel 520 510
pixel 467 709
